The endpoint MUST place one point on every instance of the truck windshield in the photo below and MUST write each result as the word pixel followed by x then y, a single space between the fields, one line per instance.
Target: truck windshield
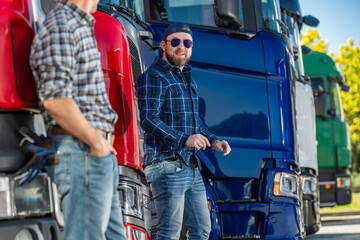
pixel 198 12
pixel 201 12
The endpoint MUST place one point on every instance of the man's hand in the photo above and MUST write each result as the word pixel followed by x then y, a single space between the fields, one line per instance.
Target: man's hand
pixel 68 115
pixel 221 146
pixel 102 148
pixel 197 141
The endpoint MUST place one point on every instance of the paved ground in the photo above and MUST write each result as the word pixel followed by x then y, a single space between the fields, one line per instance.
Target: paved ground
pixel 338 227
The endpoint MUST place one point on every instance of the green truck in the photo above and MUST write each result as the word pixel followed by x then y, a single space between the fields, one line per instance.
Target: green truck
pixel 332 131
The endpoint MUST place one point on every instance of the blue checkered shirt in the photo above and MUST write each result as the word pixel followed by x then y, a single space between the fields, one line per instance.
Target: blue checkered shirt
pixel 168 103
pixel 66 64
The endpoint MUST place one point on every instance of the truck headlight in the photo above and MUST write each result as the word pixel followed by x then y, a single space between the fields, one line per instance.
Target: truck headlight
pixel 343 182
pixel 135 232
pixel 24 234
pixel 286 185
pixel 6 196
pixel 32 199
pixel 309 186
pixel 130 199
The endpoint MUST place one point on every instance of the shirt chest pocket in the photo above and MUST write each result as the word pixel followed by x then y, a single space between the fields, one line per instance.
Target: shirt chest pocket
pixel 194 89
pixel 176 89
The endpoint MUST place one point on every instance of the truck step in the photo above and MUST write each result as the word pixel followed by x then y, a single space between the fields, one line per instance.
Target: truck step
pixel 249 237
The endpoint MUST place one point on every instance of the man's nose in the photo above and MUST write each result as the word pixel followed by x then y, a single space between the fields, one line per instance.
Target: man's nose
pixel 181 44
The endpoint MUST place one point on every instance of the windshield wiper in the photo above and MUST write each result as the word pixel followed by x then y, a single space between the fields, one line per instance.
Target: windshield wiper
pixel 130 12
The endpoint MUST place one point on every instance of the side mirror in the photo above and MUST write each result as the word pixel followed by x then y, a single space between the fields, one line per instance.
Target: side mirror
pixel 310 21
pixel 306 50
pixel 345 88
pixel 320 107
pixel 332 112
pixel 305 78
pixel 229 11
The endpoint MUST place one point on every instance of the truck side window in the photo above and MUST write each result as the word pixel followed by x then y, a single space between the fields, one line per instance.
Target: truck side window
pixel 271 15
pixel 318 86
pixel 335 100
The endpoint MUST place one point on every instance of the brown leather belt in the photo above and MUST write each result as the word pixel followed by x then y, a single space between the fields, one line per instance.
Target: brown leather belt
pixel 57 130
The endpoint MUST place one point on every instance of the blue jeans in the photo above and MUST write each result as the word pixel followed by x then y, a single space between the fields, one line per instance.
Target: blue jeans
pixel 179 192
pixel 88 188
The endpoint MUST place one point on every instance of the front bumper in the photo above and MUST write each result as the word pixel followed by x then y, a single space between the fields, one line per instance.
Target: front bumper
pixel 39 228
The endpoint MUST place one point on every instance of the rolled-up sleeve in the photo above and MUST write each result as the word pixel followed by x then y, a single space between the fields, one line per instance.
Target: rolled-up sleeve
pixel 53 63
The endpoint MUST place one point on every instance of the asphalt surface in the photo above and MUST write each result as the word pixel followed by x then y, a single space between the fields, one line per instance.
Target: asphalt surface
pixel 338 227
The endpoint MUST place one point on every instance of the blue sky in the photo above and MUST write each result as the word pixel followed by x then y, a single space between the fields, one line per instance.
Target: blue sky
pixel 339 20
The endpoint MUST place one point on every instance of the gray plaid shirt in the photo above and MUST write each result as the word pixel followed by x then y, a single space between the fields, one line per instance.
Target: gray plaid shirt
pixel 66 64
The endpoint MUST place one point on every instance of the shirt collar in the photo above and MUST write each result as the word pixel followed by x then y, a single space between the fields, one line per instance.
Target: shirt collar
pixel 83 17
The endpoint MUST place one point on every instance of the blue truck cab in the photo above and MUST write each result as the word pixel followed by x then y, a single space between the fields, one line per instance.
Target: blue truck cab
pixel 243 64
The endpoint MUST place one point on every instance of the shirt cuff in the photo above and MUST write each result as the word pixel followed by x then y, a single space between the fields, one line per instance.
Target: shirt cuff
pixel 183 138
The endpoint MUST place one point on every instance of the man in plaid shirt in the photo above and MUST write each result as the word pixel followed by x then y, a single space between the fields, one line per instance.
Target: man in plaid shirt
pixel 77 112
pixel 168 105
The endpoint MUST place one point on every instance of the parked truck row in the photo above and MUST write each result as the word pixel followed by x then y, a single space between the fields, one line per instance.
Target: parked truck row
pixel 253 91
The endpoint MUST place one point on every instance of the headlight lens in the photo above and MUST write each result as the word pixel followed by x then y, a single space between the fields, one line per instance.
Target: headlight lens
pixel 32 199
pixel 309 185
pixel 130 198
pixel 286 185
pixel 24 235
pixel 343 182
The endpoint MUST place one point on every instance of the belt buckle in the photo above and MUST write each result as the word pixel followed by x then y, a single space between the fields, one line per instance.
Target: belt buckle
pixel 109 137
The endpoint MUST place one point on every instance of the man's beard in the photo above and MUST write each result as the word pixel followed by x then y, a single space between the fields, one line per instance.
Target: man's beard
pixel 176 61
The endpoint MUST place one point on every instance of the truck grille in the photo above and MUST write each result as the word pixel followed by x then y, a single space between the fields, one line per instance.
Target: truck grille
pixel 135 60
pixel 247 237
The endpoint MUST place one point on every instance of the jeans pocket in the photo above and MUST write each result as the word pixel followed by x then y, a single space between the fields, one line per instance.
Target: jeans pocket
pixel 171 167
pixel 99 158
pixel 62 175
pixel 151 172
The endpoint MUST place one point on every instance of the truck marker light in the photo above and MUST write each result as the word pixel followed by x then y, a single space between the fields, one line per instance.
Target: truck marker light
pixel 277 185
pixel 338 182
pixel 209 206
pixel 327 186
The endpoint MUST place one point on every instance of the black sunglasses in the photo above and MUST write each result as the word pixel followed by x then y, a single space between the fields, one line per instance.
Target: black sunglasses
pixel 175 42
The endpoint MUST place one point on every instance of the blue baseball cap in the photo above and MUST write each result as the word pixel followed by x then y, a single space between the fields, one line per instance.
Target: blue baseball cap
pixel 177 27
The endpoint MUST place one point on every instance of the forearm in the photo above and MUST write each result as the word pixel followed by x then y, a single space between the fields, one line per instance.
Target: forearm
pixel 68 115
pixel 161 130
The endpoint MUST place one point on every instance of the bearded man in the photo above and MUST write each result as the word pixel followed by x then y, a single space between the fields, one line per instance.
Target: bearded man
pixel 173 131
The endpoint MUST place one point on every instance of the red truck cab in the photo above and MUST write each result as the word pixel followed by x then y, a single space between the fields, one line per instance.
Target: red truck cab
pixel 116 63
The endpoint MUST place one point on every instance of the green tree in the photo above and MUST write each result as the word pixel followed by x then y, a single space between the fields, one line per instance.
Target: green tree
pixel 312 40
pixel 349 63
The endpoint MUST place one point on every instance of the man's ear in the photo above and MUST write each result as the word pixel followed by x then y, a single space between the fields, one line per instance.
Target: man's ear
pixel 163 43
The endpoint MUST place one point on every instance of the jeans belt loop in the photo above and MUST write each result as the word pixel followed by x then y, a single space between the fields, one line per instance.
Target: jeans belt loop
pixel 109 137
